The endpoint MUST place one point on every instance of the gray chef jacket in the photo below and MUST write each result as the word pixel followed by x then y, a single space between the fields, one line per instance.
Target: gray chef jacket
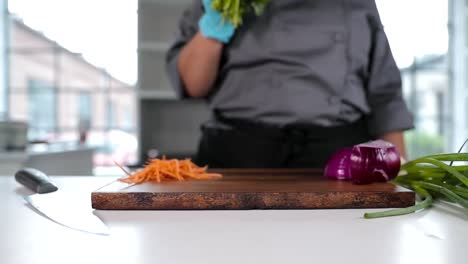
pixel 320 62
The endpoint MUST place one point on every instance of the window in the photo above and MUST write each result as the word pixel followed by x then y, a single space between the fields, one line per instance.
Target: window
pixel 41 109
pixel 84 111
pixel 63 72
pixel 111 122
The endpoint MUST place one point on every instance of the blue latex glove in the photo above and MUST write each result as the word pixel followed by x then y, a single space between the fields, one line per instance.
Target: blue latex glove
pixel 212 25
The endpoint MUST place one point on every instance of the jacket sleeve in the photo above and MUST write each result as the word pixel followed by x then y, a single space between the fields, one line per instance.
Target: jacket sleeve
pixel 389 112
pixel 187 28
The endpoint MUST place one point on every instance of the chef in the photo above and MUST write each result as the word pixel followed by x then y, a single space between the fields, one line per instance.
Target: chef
pixel 290 87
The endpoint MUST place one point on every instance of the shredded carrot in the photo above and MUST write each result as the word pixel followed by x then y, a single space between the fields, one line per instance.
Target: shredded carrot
pixel 159 170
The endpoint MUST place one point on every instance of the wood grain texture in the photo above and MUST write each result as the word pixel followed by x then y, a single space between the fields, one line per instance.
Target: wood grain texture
pixel 252 189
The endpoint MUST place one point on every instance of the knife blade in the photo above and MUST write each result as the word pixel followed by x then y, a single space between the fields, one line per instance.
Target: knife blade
pixel 60 207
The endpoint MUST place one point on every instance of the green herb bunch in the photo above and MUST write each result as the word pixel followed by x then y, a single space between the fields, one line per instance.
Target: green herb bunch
pixel 432 178
pixel 234 10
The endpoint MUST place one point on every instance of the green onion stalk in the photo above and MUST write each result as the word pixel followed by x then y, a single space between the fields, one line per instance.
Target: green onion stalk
pixel 432 178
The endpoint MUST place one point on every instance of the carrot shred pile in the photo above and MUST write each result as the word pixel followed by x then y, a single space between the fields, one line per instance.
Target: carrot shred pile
pixel 159 170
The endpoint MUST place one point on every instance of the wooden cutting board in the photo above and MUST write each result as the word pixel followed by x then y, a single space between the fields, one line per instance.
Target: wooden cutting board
pixel 252 189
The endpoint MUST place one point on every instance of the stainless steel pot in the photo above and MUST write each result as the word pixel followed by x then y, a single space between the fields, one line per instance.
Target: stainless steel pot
pixel 13 135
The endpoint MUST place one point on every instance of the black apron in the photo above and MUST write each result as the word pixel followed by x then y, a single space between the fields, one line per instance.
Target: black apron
pixel 250 144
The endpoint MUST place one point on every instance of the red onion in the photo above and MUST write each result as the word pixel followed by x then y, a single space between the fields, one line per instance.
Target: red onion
pixel 338 167
pixel 374 161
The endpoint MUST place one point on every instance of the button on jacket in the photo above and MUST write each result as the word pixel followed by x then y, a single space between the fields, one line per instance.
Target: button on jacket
pixel 319 62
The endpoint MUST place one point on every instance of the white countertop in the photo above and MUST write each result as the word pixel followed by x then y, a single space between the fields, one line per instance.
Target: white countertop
pixel 438 235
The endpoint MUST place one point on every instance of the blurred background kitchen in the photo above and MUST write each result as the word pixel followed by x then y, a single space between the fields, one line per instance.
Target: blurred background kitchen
pixel 83 83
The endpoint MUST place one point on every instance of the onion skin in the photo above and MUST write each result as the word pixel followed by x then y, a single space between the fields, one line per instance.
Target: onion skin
pixel 338 166
pixel 374 161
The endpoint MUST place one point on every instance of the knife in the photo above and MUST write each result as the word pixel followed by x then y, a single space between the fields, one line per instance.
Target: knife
pixel 59 207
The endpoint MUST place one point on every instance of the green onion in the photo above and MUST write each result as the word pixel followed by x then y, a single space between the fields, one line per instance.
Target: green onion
pixel 431 178
pixel 441 165
pixel 446 192
pixel 234 10
pixel 445 157
pixel 424 204
pixel 462 191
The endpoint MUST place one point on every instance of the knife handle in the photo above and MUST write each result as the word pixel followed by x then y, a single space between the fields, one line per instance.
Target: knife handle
pixel 35 180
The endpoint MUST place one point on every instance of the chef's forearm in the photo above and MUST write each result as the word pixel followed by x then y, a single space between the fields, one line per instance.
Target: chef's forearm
pixel 198 65
pixel 397 139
